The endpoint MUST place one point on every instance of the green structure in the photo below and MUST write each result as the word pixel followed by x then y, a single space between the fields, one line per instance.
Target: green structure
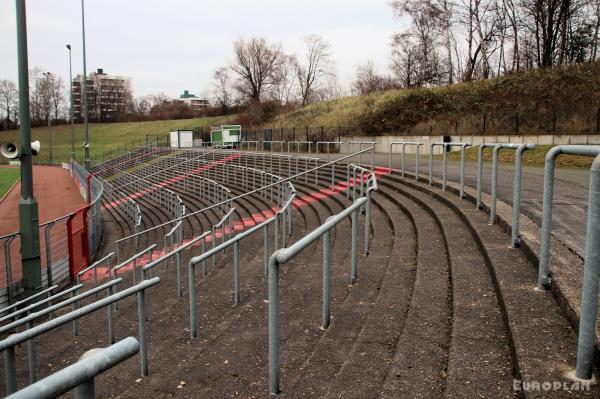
pixel 226 135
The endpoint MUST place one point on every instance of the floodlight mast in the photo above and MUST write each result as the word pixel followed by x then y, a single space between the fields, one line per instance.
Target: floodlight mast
pixel 28 208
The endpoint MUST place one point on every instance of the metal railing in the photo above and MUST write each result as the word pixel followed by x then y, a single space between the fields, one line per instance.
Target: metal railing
pixel 8 345
pixel 586 150
pixel 520 148
pixel 254 191
pixel 283 255
pixel 417 145
pixel 284 212
pixel 445 147
pixel 591 276
pixel 81 374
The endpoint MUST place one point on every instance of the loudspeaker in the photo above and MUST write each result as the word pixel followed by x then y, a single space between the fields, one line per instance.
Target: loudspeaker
pixel 9 150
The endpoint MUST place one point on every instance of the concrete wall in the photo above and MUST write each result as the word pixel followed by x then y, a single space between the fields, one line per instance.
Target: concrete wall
pixel 383 142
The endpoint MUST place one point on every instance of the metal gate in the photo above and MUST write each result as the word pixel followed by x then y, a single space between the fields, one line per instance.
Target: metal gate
pixel 79 255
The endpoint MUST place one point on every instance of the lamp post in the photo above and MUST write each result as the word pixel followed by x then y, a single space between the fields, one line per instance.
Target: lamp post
pixel 86 139
pixel 28 209
pixel 48 75
pixel 71 104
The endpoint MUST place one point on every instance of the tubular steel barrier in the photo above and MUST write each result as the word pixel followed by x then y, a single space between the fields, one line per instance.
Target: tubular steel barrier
pixel 235 241
pixel 27 309
pixel 133 261
pixel 591 276
pixel 94 267
pixel 544 279
pixel 445 147
pixel 327 143
pixel 260 189
pixel 360 144
pixel 283 255
pixel 28 321
pixel 81 374
pixel 515 239
pixel 55 257
pixel 47 291
pixel 417 144
pixel 74 300
pixel 177 253
pixel 9 344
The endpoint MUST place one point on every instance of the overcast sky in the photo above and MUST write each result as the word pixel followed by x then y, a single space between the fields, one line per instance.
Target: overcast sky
pixel 170 46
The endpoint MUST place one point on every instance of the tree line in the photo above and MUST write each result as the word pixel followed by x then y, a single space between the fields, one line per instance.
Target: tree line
pixel 450 41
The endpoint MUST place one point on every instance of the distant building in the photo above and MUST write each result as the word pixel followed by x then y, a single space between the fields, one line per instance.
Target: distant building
pixel 194 102
pixel 108 96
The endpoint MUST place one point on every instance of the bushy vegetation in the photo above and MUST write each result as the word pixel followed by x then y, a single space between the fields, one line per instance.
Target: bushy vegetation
pixel 560 100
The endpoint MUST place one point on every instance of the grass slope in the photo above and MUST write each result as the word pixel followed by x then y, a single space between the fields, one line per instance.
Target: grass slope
pixel 8 176
pixel 534 157
pixel 105 137
pixel 550 101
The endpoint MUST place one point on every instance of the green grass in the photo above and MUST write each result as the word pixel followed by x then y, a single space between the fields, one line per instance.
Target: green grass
pixel 534 157
pixel 8 177
pixel 106 137
pixel 546 101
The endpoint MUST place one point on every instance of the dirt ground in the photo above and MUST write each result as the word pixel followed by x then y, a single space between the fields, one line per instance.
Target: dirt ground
pixel 56 194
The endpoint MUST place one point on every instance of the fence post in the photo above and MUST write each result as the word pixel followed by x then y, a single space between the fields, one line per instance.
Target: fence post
pixel 141 300
pixel 591 275
pixel 236 271
pixel 48 253
pixel 10 370
pixel 87 389
pixel 326 279
pixel 273 326
pixel 354 270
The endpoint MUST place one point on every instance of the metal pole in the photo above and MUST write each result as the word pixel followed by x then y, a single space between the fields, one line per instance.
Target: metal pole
pixel 417 164
pixel 367 221
pixel 431 163
pixel 462 171
pixel 543 278
pixel 326 279
pixel 591 275
pixel 236 271
pixel 28 208
pixel 49 253
pixel 192 295
pixel 479 175
pixel 266 247
pixel 31 355
pixel 141 302
pixel 403 156
pixel 354 271
pixel 273 326
pixel 10 370
pixel 516 237
pixel 86 137
pixel 494 183
pixel 445 171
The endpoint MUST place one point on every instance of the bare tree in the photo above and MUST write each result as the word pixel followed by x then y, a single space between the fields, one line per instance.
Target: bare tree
pixel 314 68
pixel 8 99
pixel 284 80
pixel 417 48
pixel 368 81
pixel 222 89
pixel 255 64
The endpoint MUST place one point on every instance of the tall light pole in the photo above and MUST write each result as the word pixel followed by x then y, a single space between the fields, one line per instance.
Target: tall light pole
pixel 86 139
pixel 71 104
pixel 48 75
pixel 28 209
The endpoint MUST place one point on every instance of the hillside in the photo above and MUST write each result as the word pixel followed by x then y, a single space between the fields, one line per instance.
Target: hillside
pixel 553 101
pixel 106 137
